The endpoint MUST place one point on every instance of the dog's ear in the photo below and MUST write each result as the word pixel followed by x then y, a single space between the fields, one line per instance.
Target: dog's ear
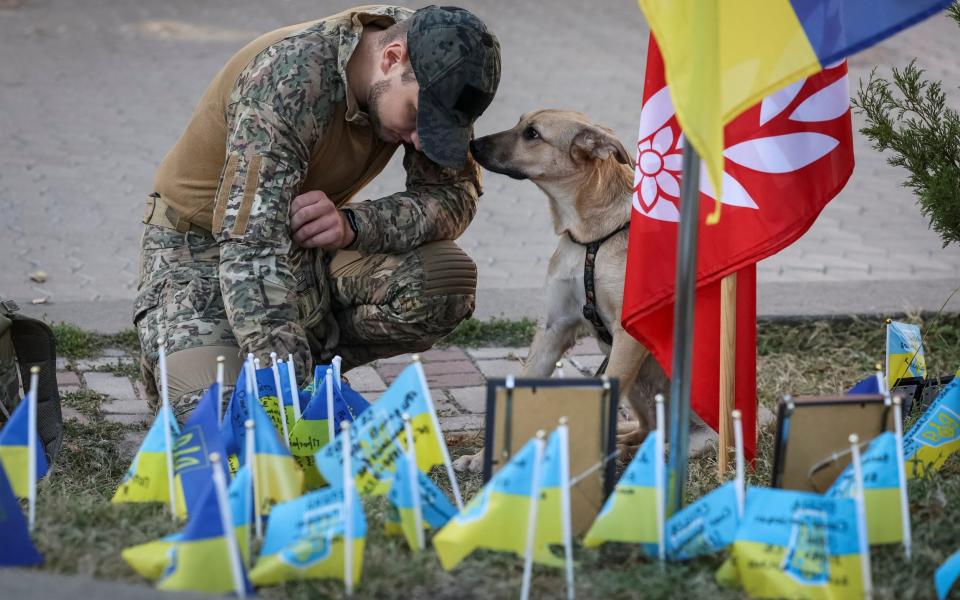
pixel 599 144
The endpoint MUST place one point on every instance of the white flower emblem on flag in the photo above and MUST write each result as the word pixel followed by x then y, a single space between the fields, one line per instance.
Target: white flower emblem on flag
pixel 656 184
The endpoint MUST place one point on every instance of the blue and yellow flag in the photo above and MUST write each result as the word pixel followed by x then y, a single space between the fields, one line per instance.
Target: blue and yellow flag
pixel 232 429
pixel 496 518
pixel 150 559
pixel 13 451
pixel 378 439
pixel 721 58
pixel 269 395
pixel 704 527
pixel 191 450
pixel 311 433
pixel 904 353
pixel 796 545
pixel 630 513
pixel 199 559
pixel 435 508
pixel 946 575
pixel 881 489
pixel 306 537
pixel 16 549
pixel 146 478
pixel 936 435
pixel 278 477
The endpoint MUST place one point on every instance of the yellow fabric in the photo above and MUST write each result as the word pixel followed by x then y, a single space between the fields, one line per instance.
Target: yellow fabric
pixel 150 559
pixel 760 571
pixel 722 58
pixel 14 459
pixel 278 479
pixel 632 518
pixel 884 525
pixel 149 482
pixel 199 566
pixel 280 567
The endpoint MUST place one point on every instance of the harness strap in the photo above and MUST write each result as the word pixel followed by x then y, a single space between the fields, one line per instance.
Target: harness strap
pixel 590 311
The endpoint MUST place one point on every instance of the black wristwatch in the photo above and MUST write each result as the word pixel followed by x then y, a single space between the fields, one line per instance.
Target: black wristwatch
pixel 352 221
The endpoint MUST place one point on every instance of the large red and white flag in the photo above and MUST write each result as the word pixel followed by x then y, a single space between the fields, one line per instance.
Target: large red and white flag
pixel 785 159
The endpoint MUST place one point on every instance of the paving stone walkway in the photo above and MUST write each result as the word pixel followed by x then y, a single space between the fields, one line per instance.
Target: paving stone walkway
pixel 457 378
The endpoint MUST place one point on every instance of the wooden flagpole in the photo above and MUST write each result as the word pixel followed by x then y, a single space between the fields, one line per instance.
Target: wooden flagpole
pixel 728 368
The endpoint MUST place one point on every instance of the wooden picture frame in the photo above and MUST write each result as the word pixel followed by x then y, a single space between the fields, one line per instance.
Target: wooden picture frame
pixel 514 415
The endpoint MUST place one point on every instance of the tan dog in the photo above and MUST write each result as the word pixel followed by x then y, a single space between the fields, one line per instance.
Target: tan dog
pixel 587 176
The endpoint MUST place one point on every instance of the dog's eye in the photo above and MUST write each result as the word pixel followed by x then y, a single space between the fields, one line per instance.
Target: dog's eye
pixel 530 133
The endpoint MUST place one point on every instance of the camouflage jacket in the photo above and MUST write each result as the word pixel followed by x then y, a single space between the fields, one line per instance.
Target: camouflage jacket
pixel 284 108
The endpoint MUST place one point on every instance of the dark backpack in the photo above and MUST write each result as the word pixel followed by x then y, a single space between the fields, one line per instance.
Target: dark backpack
pixel 25 343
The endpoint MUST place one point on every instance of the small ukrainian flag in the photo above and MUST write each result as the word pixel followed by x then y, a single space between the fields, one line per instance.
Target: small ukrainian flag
pixel 14 454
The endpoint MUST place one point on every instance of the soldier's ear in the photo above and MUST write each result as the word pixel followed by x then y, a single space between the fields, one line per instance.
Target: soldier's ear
pixel 393 56
pixel 598 143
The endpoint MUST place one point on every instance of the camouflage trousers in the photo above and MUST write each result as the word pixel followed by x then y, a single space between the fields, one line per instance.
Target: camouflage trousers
pixel 373 307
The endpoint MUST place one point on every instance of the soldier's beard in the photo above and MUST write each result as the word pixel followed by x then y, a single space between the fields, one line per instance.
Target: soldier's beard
pixel 374 98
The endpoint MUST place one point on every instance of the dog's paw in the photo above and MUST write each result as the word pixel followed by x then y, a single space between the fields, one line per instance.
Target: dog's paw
pixel 630 434
pixel 470 463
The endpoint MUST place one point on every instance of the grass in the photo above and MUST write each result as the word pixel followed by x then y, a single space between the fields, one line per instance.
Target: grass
pixel 473 333
pixel 74 342
pixel 80 532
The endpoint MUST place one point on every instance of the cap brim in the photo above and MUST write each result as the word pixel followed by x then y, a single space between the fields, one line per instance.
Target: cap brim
pixel 443 139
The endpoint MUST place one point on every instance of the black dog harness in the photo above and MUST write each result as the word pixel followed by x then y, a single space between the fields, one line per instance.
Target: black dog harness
pixel 590 311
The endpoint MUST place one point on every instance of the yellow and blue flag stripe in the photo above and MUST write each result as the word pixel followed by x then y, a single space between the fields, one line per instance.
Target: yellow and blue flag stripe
pixel 377 437
pixel 306 537
pixel 311 433
pixel 496 518
pixel 435 508
pixel 14 454
pixel 936 436
pixel 192 447
pixel 199 559
pixel 278 477
pixel 146 478
pixel 905 357
pixel 629 514
pixel 797 545
pixel 150 559
pixel 16 548
pixel 721 58
pixel 881 490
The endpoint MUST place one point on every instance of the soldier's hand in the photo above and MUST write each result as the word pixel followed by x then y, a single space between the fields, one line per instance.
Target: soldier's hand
pixel 316 222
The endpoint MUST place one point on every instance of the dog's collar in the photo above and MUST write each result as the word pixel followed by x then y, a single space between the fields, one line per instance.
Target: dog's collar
pixel 590 311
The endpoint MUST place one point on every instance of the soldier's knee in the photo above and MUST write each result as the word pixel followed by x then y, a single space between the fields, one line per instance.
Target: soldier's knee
pixel 192 370
pixel 450 285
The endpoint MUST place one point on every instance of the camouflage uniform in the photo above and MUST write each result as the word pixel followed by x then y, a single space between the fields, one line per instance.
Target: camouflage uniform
pixel 226 278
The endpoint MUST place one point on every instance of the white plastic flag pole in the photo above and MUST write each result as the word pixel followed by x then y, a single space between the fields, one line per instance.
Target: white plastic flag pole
pixel 220 360
pixel 167 437
pixel 414 481
pixel 886 360
pixel 659 468
pixel 348 492
pixel 558 372
pixel 32 446
pixel 566 520
pixel 740 481
pixel 902 477
pixel 294 391
pixel 331 425
pixel 276 383
pixel 251 460
pixel 532 516
pixel 337 362
pixel 226 521
pixel 861 516
pixel 882 385
pixel 439 433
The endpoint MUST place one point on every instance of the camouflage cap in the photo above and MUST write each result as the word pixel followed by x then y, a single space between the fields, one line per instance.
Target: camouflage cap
pixel 457 64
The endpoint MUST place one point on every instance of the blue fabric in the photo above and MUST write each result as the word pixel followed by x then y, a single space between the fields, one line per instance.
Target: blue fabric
pixel 707 526
pixel 16 549
pixel 191 453
pixel 946 575
pixel 839 28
